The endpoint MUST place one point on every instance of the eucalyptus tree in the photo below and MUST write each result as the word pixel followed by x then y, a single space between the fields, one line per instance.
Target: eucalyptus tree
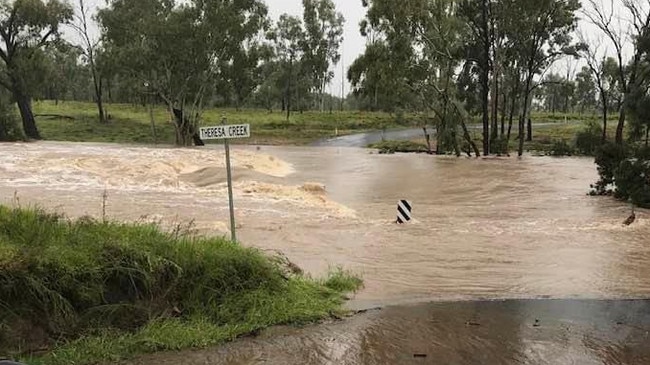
pixel 585 92
pixel 288 37
pixel 26 27
pixel 89 46
pixel 623 23
pixel 540 32
pixel 421 44
pixel 323 38
pixel 178 50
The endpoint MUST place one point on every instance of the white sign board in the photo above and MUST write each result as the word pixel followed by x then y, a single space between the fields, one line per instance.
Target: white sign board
pixel 226 132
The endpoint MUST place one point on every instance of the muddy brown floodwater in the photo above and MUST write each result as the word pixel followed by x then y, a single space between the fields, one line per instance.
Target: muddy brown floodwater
pixel 484 229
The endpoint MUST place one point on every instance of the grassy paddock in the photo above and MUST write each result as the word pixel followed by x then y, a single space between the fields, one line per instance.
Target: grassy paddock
pixel 86 292
pixel 546 139
pixel 77 122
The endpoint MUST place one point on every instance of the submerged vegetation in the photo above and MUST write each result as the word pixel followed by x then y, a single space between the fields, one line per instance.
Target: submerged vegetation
pixel 624 173
pixel 84 291
pixel 390 147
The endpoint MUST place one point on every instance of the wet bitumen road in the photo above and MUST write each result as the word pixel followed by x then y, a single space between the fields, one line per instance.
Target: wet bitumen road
pixel 482 332
pixel 364 139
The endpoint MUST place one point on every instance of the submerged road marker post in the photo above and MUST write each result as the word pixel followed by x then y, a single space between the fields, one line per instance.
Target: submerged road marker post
pixel 404 211
pixel 227 132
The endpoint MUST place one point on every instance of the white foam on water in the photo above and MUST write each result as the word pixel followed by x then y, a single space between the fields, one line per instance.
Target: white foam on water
pixel 70 167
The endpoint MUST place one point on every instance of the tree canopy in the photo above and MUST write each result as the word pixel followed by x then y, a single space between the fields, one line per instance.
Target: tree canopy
pixel 455 62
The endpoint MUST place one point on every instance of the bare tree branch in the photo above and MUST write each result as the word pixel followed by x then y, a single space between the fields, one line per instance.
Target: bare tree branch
pixel 602 19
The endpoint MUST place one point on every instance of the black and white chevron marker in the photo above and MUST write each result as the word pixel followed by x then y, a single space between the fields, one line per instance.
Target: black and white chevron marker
pixel 404 211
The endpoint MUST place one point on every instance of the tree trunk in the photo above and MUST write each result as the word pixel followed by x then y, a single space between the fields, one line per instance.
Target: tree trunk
pixel 523 116
pixel 153 123
pixel 468 138
pixel 322 96
pixel 510 121
pixel 456 147
pixel 100 107
pixel 621 126
pixel 495 114
pixel 289 89
pixel 527 119
pixel 485 79
pixel 27 116
pixel 442 126
pixel 486 118
pixel 504 105
pixel 605 111
pixel 445 112
pixel 427 136
pixel 495 106
pixel 98 94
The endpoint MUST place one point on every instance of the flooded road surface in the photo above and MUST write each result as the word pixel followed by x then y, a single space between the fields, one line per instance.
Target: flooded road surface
pixel 362 140
pixel 484 229
pixel 508 332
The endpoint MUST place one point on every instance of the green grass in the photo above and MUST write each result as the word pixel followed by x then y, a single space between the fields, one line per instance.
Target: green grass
pixel 390 147
pixel 545 117
pixel 131 124
pixel 546 139
pixel 89 292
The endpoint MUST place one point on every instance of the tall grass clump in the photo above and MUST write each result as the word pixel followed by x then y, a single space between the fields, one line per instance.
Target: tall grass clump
pixel 87 291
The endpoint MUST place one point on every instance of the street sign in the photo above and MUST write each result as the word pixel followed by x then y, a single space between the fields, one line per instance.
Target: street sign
pixel 226 131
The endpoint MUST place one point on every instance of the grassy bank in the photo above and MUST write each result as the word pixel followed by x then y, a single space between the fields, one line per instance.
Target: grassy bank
pixel 86 292
pixel 550 139
pixel 389 147
pixel 77 122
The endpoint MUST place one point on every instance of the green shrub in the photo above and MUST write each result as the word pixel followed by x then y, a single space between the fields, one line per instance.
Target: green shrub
pixel 633 181
pixel 608 158
pixel 390 147
pixel 561 148
pixel 624 172
pixel 10 129
pixel 588 141
pixel 342 281
pixel 500 146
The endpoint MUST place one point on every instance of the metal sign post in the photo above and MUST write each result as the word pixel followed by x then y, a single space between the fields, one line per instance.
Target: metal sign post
pixel 227 132
pixel 226 143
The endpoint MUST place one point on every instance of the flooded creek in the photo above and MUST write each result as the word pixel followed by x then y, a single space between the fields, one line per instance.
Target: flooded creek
pixel 484 229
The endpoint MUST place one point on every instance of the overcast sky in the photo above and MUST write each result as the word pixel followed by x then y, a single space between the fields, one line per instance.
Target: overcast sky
pixel 354 43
